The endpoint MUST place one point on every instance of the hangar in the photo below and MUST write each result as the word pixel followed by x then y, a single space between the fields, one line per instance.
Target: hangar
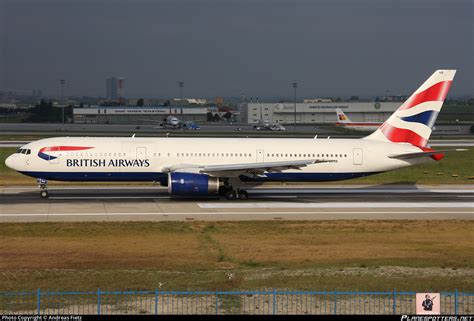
pixel 320 112
pixel 137 115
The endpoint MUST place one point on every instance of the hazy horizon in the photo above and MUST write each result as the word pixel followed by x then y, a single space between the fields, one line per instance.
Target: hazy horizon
pixel 226 48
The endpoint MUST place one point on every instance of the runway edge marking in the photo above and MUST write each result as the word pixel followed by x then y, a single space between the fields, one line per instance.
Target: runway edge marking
pixel 336 205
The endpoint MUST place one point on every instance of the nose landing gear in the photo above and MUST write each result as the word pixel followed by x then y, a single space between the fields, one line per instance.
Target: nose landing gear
pixel 43 185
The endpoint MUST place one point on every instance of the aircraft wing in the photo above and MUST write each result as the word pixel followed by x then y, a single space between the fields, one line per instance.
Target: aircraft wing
pixel 235 170
pixel 423 154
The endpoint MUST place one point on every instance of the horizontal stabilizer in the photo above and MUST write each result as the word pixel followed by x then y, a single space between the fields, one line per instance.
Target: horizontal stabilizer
pixel 424 154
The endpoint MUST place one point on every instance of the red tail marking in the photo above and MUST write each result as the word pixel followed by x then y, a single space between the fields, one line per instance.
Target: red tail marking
pixel 437 92
pixel 400 135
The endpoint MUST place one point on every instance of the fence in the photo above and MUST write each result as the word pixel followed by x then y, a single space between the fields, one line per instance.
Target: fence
pixel 225 302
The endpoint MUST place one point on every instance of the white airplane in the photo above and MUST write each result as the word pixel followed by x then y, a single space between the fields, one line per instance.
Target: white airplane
pixel 202 166
pixel 345 122
pixel 170 121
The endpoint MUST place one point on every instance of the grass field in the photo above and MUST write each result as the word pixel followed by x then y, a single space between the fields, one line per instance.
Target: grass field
pixel 324 255
pixel 455 168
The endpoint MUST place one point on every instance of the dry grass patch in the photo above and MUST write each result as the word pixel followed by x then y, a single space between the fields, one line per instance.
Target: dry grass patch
pixel 351 242
pixel 198 255
pixel 100 245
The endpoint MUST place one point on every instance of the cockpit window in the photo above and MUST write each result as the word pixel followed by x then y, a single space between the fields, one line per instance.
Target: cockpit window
pixel 23 151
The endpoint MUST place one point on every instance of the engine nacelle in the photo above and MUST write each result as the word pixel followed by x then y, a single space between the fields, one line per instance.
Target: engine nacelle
pixel 192 184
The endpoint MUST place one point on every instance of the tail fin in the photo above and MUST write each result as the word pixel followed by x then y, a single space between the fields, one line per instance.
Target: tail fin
pixel 413 121
pixel 341 117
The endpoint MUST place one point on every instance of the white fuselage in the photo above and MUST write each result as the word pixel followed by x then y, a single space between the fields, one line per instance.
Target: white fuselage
pixel 364 127
pixel 143 159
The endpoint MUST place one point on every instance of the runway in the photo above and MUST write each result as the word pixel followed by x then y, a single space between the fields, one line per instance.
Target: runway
pixel 322 202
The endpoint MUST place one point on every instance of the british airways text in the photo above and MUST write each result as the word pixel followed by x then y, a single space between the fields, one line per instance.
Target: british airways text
pixel 107 163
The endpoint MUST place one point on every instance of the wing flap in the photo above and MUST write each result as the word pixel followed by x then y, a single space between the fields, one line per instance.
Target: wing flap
pixel 234 170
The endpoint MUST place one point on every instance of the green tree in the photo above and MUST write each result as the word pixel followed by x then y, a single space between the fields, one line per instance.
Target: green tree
pixel 140 102
pixel 210 116
pixel 46 112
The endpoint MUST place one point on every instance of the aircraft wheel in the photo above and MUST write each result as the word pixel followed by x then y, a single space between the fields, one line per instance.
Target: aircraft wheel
pixel 231 195
pixel 243 195
pixel 44 194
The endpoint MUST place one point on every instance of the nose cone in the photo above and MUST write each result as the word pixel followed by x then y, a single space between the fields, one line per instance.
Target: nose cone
pixel 10 162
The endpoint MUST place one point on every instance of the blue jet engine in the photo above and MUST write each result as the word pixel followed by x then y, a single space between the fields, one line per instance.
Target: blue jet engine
pixel 192 184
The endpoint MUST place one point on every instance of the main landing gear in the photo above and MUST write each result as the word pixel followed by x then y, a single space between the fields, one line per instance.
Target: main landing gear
pixel 43 185
pixel 231 194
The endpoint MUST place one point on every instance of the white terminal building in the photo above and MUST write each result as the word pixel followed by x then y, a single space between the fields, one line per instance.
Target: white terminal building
pixel 138 115
pixel 315 112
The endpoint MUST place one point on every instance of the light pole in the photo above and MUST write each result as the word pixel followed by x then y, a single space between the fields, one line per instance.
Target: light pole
pixel 62 82
pixel 294 85
pixel 180 84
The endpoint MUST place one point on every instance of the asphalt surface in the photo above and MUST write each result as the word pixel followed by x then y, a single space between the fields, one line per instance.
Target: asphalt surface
pixel 138 203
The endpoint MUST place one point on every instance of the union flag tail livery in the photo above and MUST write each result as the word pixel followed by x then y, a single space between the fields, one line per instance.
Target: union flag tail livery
pixel 413 122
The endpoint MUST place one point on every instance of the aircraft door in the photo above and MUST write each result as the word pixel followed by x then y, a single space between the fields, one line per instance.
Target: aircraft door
pixel 27 157
pixel 260 156
pixel 141 153
pixel 358 156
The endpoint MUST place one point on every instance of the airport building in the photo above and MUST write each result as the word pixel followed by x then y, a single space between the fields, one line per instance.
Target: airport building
pixel 114 87
pixel 138 115
pixel 316 112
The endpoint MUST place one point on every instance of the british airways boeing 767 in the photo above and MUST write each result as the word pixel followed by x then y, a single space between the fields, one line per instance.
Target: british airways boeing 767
pixel 201 166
